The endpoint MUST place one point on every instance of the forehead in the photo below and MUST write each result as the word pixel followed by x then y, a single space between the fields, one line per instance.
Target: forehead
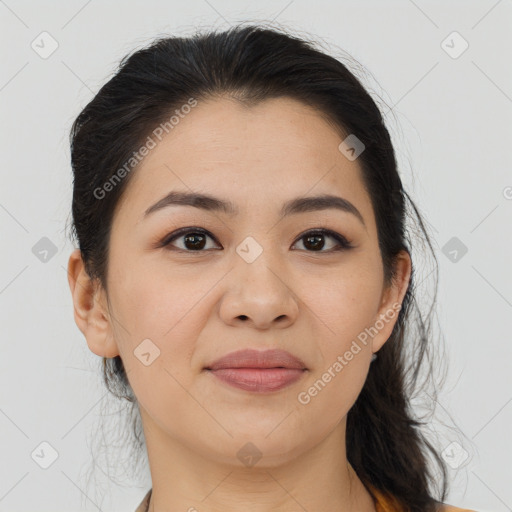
pixel 268 152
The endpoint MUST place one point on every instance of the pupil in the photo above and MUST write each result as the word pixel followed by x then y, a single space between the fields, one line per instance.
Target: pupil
pixel 195 244
pixel 317 241
pixel 191 241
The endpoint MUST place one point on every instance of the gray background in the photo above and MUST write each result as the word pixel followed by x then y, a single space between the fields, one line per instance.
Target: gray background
pixel 451 125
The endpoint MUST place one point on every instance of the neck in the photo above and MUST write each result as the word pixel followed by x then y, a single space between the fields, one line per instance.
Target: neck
pixel 318 479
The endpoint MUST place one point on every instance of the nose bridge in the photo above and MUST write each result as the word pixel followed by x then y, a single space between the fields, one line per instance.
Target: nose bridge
pixel 258 290
pixel 259 260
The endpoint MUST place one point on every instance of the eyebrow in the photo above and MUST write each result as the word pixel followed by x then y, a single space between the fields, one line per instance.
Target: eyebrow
pixel 293 206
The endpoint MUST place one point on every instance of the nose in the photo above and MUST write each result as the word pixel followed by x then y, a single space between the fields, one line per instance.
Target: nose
pixel 258 295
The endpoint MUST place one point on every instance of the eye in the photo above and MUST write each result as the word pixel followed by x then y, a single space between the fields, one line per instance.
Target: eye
pixel 194 239
pixel 315 240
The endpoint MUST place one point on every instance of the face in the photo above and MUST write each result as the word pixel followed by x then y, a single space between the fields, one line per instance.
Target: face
pixel 249 278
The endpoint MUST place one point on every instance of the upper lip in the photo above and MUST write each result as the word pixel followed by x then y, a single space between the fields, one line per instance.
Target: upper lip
pixel 250 358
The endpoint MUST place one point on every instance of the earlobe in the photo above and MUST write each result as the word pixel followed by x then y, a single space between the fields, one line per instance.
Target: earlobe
pixel 392 299
pixel 90 311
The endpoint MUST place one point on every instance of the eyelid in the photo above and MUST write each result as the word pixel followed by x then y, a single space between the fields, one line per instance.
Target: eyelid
pixel 183 231
pixel 343 242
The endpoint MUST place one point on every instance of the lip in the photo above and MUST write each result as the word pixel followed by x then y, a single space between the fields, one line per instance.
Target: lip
pixel 262 359
pixel 258 371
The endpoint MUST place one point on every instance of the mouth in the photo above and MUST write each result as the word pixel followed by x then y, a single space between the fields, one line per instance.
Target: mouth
pixel 258 371
pixel 258 380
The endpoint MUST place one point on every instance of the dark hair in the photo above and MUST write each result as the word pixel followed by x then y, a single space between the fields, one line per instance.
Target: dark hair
pixel 249 64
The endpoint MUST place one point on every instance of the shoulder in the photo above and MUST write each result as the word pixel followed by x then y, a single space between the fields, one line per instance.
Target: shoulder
pixel 450 508
pixel 143 506
pixel 386 502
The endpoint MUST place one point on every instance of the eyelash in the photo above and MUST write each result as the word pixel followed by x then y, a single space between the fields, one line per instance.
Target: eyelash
pixel 344 244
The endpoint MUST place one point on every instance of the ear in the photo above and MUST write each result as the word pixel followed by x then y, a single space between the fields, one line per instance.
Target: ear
pixel 391 301
pixel 91 313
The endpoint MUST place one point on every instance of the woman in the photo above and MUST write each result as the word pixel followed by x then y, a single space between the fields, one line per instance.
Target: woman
pixel 244 272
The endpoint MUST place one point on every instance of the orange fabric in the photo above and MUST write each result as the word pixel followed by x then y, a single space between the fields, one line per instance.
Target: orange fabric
pixel 144 503
pixel 383 503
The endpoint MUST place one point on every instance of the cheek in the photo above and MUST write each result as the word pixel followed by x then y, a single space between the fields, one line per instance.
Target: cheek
pixel 162 319
pixel 152 301
pixel 348 307
pixel 332 392
pixel 346 304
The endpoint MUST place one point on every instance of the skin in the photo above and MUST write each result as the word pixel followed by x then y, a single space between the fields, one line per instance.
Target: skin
pixel 197 307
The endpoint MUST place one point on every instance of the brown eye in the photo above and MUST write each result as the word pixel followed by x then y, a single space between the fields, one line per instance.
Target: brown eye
pixel 192 239
pixel 314 241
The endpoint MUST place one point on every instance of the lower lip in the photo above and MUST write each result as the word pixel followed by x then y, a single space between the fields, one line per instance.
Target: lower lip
pixel 259 380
